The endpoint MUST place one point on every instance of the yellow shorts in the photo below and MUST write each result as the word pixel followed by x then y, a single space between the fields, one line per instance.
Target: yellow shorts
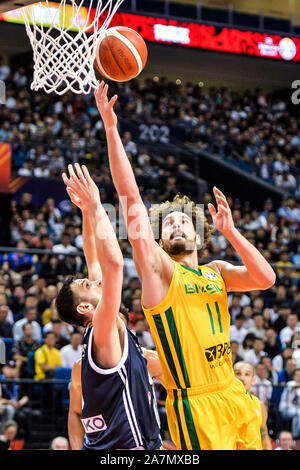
pixel 213 420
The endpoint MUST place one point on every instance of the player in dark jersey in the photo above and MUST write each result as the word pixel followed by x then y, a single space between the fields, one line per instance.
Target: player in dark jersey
pixel 118 404
pixel 81 429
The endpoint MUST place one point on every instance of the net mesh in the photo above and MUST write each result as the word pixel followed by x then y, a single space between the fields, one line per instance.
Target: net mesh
pixel 63 38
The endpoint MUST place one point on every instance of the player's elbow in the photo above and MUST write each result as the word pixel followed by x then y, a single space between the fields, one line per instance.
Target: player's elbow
pixel 269 281
pixel 115 264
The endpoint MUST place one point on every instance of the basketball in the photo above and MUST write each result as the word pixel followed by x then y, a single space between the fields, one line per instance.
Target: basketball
pixel 121 54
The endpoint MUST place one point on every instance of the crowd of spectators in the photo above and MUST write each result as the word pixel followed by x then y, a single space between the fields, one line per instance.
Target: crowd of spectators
pixel 46 133
pixel 256 130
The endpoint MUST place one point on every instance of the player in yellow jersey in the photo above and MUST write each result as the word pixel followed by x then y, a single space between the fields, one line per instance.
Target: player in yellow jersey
pixel 244 371
pixel 186 304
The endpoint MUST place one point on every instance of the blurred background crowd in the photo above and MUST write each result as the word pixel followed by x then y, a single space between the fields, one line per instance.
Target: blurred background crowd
pixel 46 133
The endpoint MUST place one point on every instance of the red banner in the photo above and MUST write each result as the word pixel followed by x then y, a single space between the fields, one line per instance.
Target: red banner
pixel 5 165
pixel 183 33
pixel 188 34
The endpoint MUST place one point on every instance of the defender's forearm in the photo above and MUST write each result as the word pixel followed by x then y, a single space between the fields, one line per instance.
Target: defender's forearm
pixel 107 246
pixel 89 247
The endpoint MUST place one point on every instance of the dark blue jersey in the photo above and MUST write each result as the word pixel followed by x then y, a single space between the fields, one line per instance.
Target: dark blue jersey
pixel 118 405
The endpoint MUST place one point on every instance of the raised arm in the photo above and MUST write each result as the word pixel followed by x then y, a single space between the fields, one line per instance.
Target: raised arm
pixel 111 262
pixel 256 273
pixel 88 234
pixel 154 266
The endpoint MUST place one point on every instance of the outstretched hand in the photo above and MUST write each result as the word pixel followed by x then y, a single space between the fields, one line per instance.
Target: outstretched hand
pixel 222 218
pixel 105 106
pixel 82 190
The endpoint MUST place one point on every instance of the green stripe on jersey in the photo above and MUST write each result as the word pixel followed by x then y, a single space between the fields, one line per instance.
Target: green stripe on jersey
pixel 164 342
pixel 177 345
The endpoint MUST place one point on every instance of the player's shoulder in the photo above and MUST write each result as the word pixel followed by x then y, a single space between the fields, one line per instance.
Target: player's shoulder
pixel 214 269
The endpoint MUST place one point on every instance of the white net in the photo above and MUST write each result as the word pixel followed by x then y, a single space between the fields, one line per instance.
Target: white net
pixel 63 38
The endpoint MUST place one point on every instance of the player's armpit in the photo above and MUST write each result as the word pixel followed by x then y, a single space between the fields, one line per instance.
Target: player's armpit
pixel 155 269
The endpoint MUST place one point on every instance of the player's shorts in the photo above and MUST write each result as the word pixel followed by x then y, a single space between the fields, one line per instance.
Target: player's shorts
pixel 210 418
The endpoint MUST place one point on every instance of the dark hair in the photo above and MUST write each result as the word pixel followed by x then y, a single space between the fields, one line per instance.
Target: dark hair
pixel 125 312
pixel 48 333
pixel 66 305
pixel 240 316
pixel 28 309
pixel 25 324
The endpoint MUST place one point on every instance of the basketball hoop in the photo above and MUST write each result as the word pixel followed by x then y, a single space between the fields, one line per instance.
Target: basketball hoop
pixel 63 38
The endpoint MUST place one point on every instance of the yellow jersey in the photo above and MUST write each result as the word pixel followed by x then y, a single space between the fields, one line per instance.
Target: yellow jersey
pixel 191 330
pixel 257 407
pixel 45 355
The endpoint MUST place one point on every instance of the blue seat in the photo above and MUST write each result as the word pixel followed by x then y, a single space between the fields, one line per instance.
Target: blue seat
pixel 9 344
pixel 63 373
pixel 31 363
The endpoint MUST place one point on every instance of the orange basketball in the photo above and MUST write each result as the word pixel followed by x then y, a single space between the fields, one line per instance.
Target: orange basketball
pixel 121 54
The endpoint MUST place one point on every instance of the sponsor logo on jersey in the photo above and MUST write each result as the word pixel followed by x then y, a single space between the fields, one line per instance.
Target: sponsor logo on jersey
pixel 211 288
pixel 94 424
pixel 210 275
pixel 218 351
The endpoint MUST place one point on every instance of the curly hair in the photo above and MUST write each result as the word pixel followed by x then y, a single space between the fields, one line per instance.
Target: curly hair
pixel 181 204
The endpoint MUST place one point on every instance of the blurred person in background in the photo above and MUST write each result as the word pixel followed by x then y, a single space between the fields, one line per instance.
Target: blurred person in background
pixel 293 326
pixel 22 348
pixel 5 326
pixel 255 354
pixel 285 441
pixel 50 315
pixel 244 371
pixel 281 360
pixel 72 352
pixel 47 358
pixel 247 344
pixel 235 352
pixel 237 330
pixel 60 340
pixel 272 343
pixel 7 438
pixel 284 311
pixel 59 443
pixel 30 316
pixel 258 327
pixel 141 330
pixel 262 388
pixel 289 405
pixel 248 312
pixel 13 395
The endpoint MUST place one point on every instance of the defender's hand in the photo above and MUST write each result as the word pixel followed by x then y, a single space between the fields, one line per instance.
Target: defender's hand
pixel 222 219
pixel 105 107
pixel 82 190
